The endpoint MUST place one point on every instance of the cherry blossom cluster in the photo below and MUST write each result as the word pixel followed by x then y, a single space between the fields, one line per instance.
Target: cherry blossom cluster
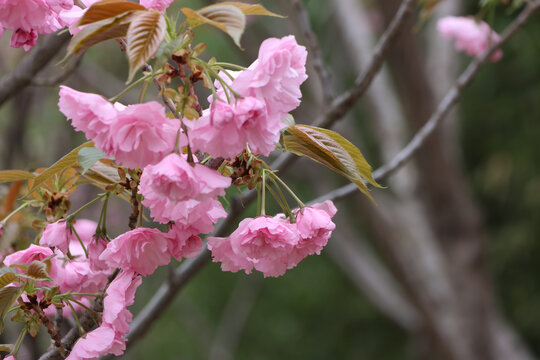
pixel 247 113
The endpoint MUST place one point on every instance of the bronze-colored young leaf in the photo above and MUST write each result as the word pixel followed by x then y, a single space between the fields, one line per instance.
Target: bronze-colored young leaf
pixel 106 9
pixel 8 296
pixel 7 278
pixel 37 270
pixel 227 18
pixel 146 32
pixel 66 162
pixel 7 347
pixel 110 28
pixel 251 9
pixel 14 175
pixel 332 150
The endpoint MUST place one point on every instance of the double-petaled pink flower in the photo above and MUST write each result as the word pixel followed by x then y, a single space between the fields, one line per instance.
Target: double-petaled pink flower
pixel 472 36
pixel 109 337
pixel 269 89
pixel 28 18
pixel 272 245
pixel 136 135
pixel 175 190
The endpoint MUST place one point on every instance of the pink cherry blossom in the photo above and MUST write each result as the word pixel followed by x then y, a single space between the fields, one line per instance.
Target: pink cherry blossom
pixel 174 177
pixel 34 252
pixel 93 345
pixel 119 295
pixel 471 36
pixel 89 113
pixel 135 135
pixel 109 337
pixel 10 357
pixel 224 129
pixel 141 134
pixel 183 242
pixel 72 16
pixel 95 248
pixel 24 39
pixel 264 243
pixel 270 88
pixel 159 5
pixel 57 235
pixel 140 250
pixel 27 18
pixel 275 77
pixel 26 256
pixel 77 276
pixel 315 226
pixel 175 190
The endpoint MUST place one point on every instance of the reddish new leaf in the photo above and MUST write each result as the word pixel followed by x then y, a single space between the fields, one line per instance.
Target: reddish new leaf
pixel 145 34
pixel 106 9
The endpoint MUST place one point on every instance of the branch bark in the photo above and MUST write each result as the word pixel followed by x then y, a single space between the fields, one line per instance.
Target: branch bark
pixel 31 65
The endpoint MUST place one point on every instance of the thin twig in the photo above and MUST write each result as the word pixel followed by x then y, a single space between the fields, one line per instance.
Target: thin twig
pixel 31 64
pixel 59 78
pixel 314 50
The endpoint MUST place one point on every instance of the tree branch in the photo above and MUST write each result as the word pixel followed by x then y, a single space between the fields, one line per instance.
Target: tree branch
pixel 31 64
pixel 58 78
pixel 314 50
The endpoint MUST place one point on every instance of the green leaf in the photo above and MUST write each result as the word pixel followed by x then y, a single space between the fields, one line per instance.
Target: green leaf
pixel 332 150
pixel 8 296
pixel 64 163
pixel 165 50
pixel 106 9
pixel 89 156
pixel 15 175
pixel 227 18
pixel 144 36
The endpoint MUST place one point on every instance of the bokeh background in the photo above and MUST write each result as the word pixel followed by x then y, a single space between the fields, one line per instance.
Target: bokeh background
pixel 472 194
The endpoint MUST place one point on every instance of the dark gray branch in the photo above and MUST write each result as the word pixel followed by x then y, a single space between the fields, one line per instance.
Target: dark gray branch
pixel 314 50
pixel 31 65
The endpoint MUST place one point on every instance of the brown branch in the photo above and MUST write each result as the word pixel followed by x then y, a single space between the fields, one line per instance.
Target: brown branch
pixel 314 50
pixel 31 64
pixel 59 78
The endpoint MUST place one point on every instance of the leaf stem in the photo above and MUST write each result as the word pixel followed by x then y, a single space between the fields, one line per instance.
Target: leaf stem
pixel 263 190
pixel 72 216
pixel 23 206
pixel 132 85
pixel 79 238
pixel 298 201
pixel 20 339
